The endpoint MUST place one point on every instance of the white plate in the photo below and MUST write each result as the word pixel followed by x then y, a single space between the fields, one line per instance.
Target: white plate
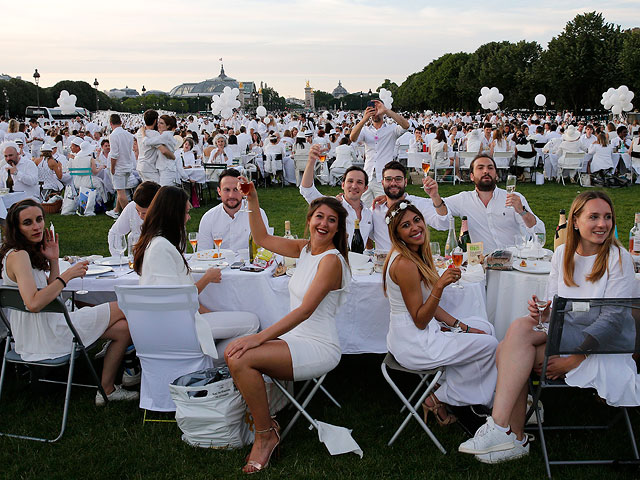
pixel 530 252
pixel 533 266
pixel 208 254
pixel 202 266
pixel 98 269
pixel 113 261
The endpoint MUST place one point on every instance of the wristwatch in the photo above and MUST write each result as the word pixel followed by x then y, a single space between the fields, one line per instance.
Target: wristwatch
pixel 523 212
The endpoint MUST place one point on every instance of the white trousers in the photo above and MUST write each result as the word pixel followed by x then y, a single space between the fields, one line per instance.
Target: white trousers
pixel 375 190
pixel 226 326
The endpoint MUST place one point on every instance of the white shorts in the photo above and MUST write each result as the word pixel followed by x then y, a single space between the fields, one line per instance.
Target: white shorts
pixel 120 180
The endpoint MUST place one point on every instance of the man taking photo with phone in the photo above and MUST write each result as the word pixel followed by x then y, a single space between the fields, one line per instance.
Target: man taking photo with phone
pixel 379 141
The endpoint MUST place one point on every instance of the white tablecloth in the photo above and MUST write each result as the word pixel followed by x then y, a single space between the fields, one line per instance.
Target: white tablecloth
pixel 9 199
pixel 508 293
pixel 363 321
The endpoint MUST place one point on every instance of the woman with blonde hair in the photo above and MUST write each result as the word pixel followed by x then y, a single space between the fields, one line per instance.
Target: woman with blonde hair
pixel 422 335
pixel 591 264
pixel 601 151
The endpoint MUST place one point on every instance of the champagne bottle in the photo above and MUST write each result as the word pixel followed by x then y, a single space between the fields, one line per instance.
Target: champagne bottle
pixel 561 230
pixel 357 243
pixel 634 236
pixel 464 235
pixel 253 248
pixel 288 261
pixel 452 243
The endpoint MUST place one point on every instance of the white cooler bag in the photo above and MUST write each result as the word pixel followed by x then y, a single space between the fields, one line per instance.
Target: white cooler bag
pixel 213 415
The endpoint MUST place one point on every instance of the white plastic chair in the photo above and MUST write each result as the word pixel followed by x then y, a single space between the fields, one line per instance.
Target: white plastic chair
pixel 273 165
pixel 465 159
pixel 163 328
pixel 403 152
pixel 569 161
pixel 415 159
pixel 442 161
pixel 502 159
pixel 300 163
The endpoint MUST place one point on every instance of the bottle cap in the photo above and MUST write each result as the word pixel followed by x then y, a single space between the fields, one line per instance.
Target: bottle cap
pixel 562 212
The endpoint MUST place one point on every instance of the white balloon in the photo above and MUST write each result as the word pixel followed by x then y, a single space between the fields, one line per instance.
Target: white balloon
pixel 226 90
pixel 236 104
pixel 226 113
pixel 500 98
pixel 266 120
pixel 485 106
pixel 610 90
pixel 616 109
pixel 493 90
pixel 261 111
pixel 493 105
pixel 484 91
pixel 481 99
pixel 540 100
pixel 630 96
pixel 623 89
pixel 235 92
pixel 628 107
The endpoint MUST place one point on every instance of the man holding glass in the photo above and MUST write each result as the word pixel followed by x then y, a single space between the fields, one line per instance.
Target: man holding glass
pixel 494 216
pixel 227 217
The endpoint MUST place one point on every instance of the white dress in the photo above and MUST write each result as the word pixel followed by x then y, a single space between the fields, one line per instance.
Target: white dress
pixel 614 377
pixel 42 336
pixel 314 343
pixel 469 359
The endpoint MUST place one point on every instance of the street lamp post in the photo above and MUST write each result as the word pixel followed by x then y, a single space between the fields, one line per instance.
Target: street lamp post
pixel 36 78
pixel 198 103
pixel 361 100
pixel 6 104
pixel 95 84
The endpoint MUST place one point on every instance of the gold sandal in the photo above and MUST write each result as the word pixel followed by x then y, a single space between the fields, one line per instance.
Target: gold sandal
pixel 448 420
pixel 252 466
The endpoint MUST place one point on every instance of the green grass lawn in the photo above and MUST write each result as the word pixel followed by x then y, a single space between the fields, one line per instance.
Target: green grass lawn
pixel 112 442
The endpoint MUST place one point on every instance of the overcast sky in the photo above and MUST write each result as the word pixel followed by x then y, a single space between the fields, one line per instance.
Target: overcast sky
pixel 161 44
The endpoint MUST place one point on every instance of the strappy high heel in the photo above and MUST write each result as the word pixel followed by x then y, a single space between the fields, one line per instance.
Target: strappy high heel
pixel 252 466
pixel 448 420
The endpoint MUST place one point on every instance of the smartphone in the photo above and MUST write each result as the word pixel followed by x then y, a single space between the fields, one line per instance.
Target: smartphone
pixel 236 265
pixel 371 104
pixel 251 268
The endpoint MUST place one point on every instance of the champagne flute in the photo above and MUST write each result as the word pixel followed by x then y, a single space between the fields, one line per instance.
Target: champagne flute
pixel 82 291
pixel 456 256
pixel 245 188
pixel 426 166
pixel 511 183
pixel 435 249
pixel 541 238
pixel 217 239
pixel 541 304
pixel 193 240
pixel 120 246
pixel 520 242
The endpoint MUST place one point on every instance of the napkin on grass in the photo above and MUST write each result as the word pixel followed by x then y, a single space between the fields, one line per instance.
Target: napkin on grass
pixel 338 440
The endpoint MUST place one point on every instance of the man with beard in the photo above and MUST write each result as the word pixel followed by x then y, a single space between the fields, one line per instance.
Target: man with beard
pixel 494 216
pixel 226 218
pixel 394 181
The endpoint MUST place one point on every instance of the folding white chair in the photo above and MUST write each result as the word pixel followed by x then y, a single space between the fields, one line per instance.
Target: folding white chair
pixel 300 163
pixel 431 376
pixel 416 159
pixel 273 165
pixel 10 299
pixel 571 162
pixel 465 159
pixel 442 161
pixel 403 151
pixel 163 326
pixel 503 161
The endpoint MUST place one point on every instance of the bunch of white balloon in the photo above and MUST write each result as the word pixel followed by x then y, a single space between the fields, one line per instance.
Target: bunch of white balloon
pixel 224 104
pixel 618 100
pixel 540 100
pixel 386 98
pixel 490 98
pixel 67 103
pixel 261 111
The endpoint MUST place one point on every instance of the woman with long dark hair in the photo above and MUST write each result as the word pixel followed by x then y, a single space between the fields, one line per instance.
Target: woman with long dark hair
pixel 591 264
pixel 29 260
pixel 416 337
pixel 159 260
pixel 304 344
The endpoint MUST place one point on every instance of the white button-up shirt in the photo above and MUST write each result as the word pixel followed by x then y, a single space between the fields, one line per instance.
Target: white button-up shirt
pixel 494 225
pixel 366 223
pixel 380 233
pixel 121 143
pixel 26 178
pixel 378 146
pixel 235 230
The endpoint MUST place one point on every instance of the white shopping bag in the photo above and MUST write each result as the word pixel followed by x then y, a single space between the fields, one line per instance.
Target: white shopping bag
pixel 87 201
pixel 69 200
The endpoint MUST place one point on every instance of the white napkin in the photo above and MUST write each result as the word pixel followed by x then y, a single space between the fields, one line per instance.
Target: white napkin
pixel 474 273
pixel 338 440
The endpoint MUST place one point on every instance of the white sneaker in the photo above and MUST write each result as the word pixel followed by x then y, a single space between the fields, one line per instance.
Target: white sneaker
pixel 131 377
pixel 117 395
pixel 112 213
pixel 488 439
pixel 518 451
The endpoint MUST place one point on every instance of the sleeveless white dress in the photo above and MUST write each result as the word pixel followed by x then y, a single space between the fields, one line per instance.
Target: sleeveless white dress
pixel 42 336
pixel 469 358
pixel 314 343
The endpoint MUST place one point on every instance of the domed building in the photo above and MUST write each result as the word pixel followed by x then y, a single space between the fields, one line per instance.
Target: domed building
pixel 215 86
pixel 339 91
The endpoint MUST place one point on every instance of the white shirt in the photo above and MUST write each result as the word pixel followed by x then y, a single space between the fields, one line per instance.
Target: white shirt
pixel 494 225
pixel 26 178
pixel 147 154
pixel 244 140
pixel 162 264
pixel 380 233
pixel 128 221
pixel 366 223
pixel 378 146
pixel 121 143
pixel 235 230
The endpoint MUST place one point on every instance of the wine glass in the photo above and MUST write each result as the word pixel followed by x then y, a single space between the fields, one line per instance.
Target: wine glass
pixel 435 249
pixel 217 239
pixel 456 256
pixel 520 242
pixel 541 238
pixel 511 184
pixel 120 246
pixel 541 304
pixel 426 166
pixel 245 188
pixel 193 240
pixel 82 291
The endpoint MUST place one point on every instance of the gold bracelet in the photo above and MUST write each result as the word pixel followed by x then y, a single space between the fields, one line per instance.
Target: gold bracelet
pixel 432 295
